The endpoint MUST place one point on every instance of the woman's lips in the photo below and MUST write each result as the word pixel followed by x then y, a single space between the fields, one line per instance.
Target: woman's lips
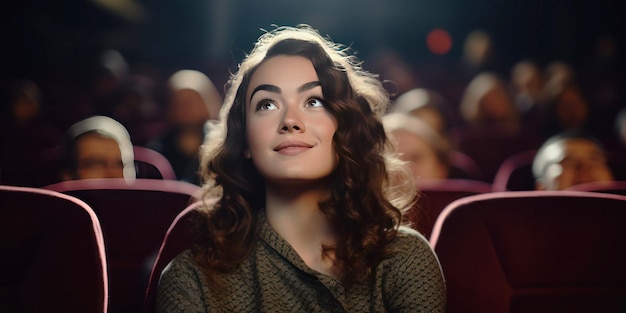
pixel 292 147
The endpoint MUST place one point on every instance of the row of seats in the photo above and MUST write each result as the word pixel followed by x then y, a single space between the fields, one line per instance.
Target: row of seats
pixel 128 220
pixel 100 245
pixel 435 195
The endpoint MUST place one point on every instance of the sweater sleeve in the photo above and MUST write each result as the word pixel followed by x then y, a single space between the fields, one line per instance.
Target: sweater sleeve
pixel 414 281
pixel 180 287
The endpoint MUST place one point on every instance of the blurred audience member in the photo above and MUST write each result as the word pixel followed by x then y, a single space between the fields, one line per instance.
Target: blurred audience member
pixel 558 73
pixel 426 105
pixel 569 159
pixel 111 69
pixel 98 147
pixel 526 88
pixel 487 101
pixel 479 54
pixel 133 105
pixel 493 130
pixel 566 109
pixel 428 153
pixel 27 141
pixel 25 103
pixel 194 100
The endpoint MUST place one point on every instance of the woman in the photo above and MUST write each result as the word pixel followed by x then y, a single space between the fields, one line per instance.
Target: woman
pixel 308 197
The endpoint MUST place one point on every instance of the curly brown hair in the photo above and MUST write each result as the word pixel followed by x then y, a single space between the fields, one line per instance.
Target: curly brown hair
pixel 370 187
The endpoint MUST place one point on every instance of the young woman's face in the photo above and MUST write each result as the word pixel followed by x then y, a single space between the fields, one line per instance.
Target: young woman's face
pixel 289 131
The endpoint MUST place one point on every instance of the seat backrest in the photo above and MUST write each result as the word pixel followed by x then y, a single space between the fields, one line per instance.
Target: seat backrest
pixel 135 216
pixel 152 164
pixel 617 187
pixel 515 173
pixel 176 240
pixel 52 253
pixel 534 251
pixel 463 167
pixel 490 145
pixel 435 194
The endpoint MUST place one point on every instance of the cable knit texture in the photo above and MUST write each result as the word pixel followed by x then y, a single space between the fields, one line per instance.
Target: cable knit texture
pixel 275 279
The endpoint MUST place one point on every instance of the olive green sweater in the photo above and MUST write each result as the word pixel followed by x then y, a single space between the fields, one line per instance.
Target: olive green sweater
pixel 275 279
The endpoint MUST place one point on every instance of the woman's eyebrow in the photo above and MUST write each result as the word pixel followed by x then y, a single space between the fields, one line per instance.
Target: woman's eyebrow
pixel 309 85
pixel 270 88
pixel 276 89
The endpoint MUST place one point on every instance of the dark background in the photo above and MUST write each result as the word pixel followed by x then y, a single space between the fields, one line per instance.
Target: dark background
pixel 56 41
pixel 42 37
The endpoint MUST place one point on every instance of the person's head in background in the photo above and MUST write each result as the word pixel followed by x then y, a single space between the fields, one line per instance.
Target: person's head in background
pixel 566 108
pixel 487 101
pixel 526 84
pixel 98 147
pixel 194 99
pixel 110 70
pixel 25 106
pixel 428 153
pixel 559 73
pixel 426 105
pixel 478 47
pixel 569 159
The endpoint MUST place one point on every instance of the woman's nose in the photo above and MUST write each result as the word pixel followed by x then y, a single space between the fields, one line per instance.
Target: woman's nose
pixel 292 121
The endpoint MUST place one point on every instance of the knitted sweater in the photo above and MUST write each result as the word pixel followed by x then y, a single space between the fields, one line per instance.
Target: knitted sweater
pixel 275 279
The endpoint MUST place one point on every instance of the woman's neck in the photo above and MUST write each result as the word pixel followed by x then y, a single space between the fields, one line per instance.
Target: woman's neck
pixel 293 212
pixel 295 208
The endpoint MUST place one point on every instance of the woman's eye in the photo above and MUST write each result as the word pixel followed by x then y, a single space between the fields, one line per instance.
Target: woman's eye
pixel 315 103
pixel 266 105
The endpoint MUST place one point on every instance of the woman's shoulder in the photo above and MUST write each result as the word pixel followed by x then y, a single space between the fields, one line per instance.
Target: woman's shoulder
pixel 410 244
pixel 410 236
pixel 180 264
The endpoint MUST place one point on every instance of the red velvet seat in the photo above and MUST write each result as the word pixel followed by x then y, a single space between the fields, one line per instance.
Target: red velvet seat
pixel 52 253
pixel 176 240
pixel 534 251
pixel 515 173
pixel 152 164
pixel 134 217
pixel 434 195
pixel 463 167
pixel 490 145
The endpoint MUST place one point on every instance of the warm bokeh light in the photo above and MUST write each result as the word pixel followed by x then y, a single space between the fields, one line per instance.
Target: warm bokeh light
pixel 439 41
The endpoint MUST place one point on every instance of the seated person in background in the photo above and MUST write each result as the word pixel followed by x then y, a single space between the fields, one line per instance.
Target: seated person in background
pixel 427 153
pixel 566 109
pixel 487 101
pixel 569 159
pixel 98 147
pixel 193 101
pixel 526 85
pixel 426 105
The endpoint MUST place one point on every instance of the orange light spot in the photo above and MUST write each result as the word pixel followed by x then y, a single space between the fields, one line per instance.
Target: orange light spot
pixel 439 41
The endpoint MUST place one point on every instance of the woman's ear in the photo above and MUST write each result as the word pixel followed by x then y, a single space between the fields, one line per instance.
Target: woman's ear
pixel 247 154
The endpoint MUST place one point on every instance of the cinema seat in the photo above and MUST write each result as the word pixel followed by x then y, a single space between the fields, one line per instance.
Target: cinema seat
pixel 534 251
pixel 52 255
pixel 135 216
pixel 176 240
pixel 435 194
